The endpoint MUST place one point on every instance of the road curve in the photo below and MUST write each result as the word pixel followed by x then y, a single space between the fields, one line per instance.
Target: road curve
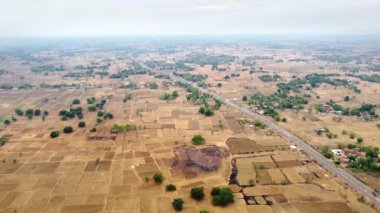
pixel 345 176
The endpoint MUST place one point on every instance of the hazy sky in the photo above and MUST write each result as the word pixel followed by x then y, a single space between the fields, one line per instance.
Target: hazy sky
pixel 150 17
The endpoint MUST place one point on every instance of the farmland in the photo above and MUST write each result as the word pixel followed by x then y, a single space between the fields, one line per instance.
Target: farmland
pixel 87 128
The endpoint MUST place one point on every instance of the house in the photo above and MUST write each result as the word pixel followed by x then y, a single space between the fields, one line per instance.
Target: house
pixel 336 152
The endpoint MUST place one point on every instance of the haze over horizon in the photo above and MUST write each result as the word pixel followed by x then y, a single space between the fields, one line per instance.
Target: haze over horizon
pixel 173 17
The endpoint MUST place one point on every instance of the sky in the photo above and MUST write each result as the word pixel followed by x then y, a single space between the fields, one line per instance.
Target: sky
pixel 50 18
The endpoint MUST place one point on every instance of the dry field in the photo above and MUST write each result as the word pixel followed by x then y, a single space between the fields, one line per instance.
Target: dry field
pixel 104 171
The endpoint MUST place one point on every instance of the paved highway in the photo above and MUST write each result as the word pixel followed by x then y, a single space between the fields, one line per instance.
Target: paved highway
pixel 344 175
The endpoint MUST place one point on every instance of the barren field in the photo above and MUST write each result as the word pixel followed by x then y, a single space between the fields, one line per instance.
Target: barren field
pixel 129 124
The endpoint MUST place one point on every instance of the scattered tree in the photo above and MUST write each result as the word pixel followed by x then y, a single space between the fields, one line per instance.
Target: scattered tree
pixel 178 204
pixel 81 124
pixel 76 101
pixel 19 112
pixel 170 187
pixel 158 178
pixel 197 193
pixel 54 134
pixel 198 140
pixel 222 197
pixel 68 129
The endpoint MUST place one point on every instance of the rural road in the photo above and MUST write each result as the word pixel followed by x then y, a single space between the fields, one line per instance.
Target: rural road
pixel 342 174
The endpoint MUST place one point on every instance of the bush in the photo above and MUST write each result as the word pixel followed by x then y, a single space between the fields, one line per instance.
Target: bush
pixel 158 178
pixel 68 129
pixel 29 112
pixel 93 130
pixel 197 193
pixel 37 112
pixel 201 110
pixel 198 140
pixel 54 134
pixel 19 112
pixel 223 197
pixel 7 122
pixel 108 116
pixel 359 140
pixel 178 204
pixel 209 112
pixel 92 108
pixel 99 120
pixel 100 113
pixel 81 124
pixel 76 101
pixel 244 98
pixel 170 187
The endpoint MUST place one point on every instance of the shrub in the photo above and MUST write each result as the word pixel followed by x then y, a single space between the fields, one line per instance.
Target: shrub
pixel 37 112
pixel 68 129
pixel 201 110
pixel 198 140
pixel 92 108
pixel 197 193
pixel 7 122
pixel 93 130
pixel 54 134
pixel 359 140
pixel 76 101
pixel 19 112
pixel 352 135
pixel 100 113
pixel 244 98
pixel 209 112
pixel 158 178
pixel 81 124
pixel 99 120
pixel 108 116
pixel 178 204
pixel 170 187
pixel 223 198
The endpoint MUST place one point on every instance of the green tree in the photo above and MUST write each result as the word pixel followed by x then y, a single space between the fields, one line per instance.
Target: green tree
pixel 54 134
pixel 244 98
pixel 37 112
pixel 76 101
pixel 327 152
pixel 201 110
pixel 198 140
pixel 170 187
pixel 68 129
pixel 197 193
pixel 158 178
pixel 178 204
pixel 81 124
pixel 223 197
pixel 100 113
pixel 92 108
pixel 347 98
pixel 19 112
pixel 209 112
pixel 359 140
